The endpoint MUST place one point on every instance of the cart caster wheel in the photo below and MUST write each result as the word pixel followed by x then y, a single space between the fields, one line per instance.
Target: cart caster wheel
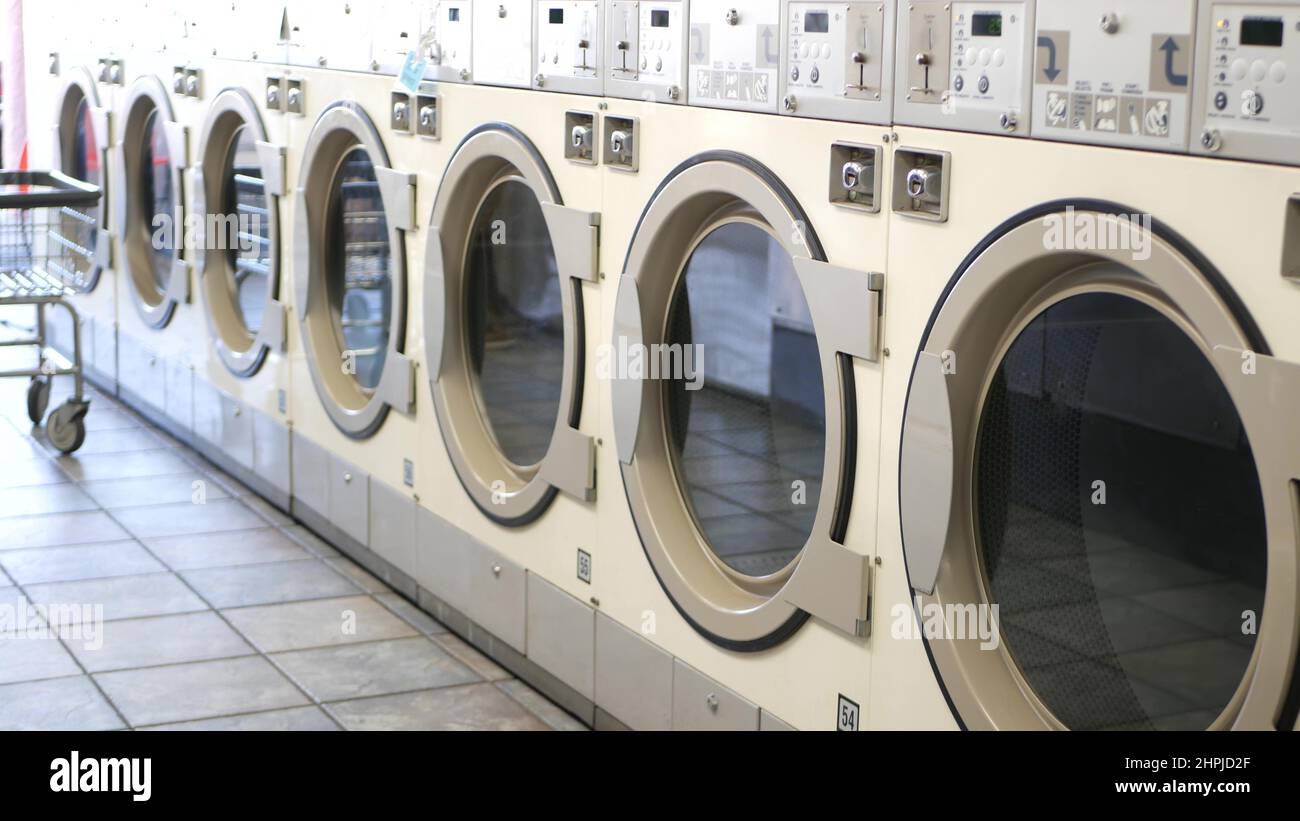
pixel 38 399
pixel 66 427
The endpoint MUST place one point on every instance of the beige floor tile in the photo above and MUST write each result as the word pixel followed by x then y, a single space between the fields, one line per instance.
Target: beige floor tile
pixel 320 623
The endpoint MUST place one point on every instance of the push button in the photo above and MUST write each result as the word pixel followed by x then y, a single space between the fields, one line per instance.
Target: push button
pixel 1277 72
pixel 1258 71
pixel 1239 68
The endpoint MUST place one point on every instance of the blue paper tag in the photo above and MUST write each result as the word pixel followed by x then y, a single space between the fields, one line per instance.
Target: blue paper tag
pixel 413 71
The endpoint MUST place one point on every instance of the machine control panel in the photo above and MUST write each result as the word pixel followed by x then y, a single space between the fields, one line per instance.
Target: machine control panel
pixel 1248 81
pixel 448 29
pixel 502 36
pixel 1114 72
pixel 646 50
pixel 395 31
pixel 567 46
pixel 837 61
pixel 734 54
pixel 965 65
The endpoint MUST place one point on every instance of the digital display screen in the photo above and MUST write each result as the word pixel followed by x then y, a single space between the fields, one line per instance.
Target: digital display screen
pixel 453 15
pixel 816 22
pixel 557 16
pixel 1261 31
pixel 659 18
pixel 986 25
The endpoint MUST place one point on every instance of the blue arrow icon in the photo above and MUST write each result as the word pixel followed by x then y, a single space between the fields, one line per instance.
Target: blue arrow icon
pixel 1052 72
pixel 1169 47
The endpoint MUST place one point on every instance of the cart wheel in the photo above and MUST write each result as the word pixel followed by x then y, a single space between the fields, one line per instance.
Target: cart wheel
pixel 38 399
pixel 66 427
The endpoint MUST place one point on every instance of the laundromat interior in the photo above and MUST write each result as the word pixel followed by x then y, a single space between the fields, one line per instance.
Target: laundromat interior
pixel 650 364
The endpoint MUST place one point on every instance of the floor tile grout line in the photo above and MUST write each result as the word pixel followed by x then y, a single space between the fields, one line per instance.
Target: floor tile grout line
pixel 251 643
pixel 64 644
pixel 500 685
pixel 243 714
pixel 238 491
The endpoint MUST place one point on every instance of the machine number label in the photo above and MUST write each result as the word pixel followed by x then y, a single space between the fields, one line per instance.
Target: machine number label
pixel 584 566
pixel 846 715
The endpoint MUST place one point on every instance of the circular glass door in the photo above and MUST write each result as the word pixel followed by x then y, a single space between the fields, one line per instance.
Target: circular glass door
pixel 153 217
pixel 357 269
pixel 238 205
pixel 747 424
pixel 1120 522
pixel 736 439
pixel 80 154
pixel 514 321
pixel 353 289
pixel 1108 523
pixel 503 327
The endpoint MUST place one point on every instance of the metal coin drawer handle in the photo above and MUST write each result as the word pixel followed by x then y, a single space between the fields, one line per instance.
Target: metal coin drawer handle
pixel 347 477
pixel 850 174
pixel 618 142
pixel 496 570
pixel 711 701
pixel 917 180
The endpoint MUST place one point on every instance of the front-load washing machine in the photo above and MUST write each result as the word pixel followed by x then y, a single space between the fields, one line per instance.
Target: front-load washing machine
pixel 355 167
pixel 743 379
pixel 161 108
pixel 511 312
pixel 238 199
pixel 1092 520
pixel 68 95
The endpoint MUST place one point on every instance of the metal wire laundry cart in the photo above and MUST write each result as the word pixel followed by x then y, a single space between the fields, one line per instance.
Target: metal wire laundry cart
pixel 40 214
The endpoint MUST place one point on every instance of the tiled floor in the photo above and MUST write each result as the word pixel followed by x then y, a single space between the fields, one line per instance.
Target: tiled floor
pixel 215 615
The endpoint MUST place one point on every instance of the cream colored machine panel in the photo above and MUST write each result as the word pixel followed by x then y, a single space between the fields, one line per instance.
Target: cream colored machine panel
pixel 567 45
pixel 735 53
pixel 449 29
pixel 331 34
pixel 646 50
pixel 503 43
pixel 837 62
pixel 1112 72
pixel 1248 81
pixel 965 66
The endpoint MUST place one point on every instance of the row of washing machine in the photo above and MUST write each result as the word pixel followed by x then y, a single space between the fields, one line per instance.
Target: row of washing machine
pixel 701 417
